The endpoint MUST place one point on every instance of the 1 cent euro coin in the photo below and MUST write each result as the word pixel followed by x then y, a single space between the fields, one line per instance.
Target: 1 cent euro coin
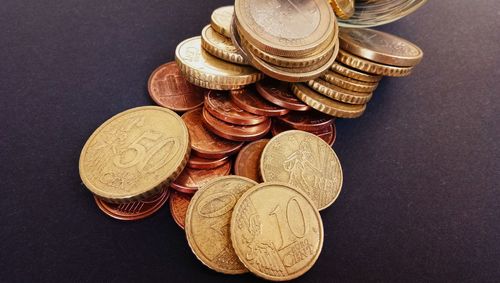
pixel 134 153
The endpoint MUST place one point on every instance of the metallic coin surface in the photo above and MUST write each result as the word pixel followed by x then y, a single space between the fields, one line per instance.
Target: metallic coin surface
pixel 307 121
pixel 168 88
pixel 306 162
pixel 220 105
pixel 192 179
pixel 348 83
pixel 134 153
pixel 220 46
pixel 328 134
pixel 195 62
pixel 203 142
pixel 354 74
pixel 208 219
pixel 338 93
pixel 327 105
pixel 235 132
pixel 279 93
pixel 344 9
pixel 197 162
pixel 276 231
pixel 248 160
pixel 361 64
pixel 134 210
pixel 221 20
pixel 250 100
pixel 380 47
pixel 286 28
pixel 179 203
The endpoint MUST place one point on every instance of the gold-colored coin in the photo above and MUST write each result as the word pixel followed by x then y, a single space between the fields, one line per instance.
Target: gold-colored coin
pixel 304 161
pixel 276 231
pixel 221 20
pixel 134 153
pixel 207 223
pixel 338 93
pixel 372 67
pixel 286 28
pixel 344 9
pixel 220 46
pixel 327 105
pixel 354 74
pixel 195 62
pixel 211 85
pixel 348 83
pixel 380 47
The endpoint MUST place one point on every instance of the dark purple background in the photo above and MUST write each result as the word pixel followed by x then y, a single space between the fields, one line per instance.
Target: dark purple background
pixel 420 200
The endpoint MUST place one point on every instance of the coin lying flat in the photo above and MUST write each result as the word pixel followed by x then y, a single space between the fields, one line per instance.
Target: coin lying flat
pixel 364 65
pixel 248 159
pixel 221 20
pixel 344 9
pixel 348 83
pixel 328 134
pixel 306 162
pixel 307 121
pixel 179 203
pixel 207 223
pixel 276 231
pixel 250 100
pixel 197 162
pixel 191 179
pixel 134 153
pixel 220 46
pixel 279 93
pixel 380 47
pixel 354 74
pixel 338 93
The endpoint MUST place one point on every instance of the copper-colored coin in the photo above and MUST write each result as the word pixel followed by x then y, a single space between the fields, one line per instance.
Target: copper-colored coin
pixel 219 104
pixel 307 121
pixel 278 92
pixel 197 162
pixel 168 88
pixel 179 203
pixel 134 210
pixel 327 134
pixel 250 100
pixel 191 179
pixel 235 132
pixel 203 142
pixel 248 160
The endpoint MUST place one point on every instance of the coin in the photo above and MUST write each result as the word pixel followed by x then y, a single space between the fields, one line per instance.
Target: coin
pixel 192 179
pixel 306 162
pixel 307 121
pixel 338 93
pixel 354 74
pixel 380 47
pixel 344 9
pixel 248 159
pixel 348 83
pixel 372 67
pixel 327 105
pixel 134 210
pixel 220 46
pixel 220 105
pixel 289 29
pixel 235 132
pixel 197 162
pixel 134 153
pixel 168 88
pixel 207 223
pixel 278 92
pixel 179 203
pixel 250 100
pixel 276 231
pixel 221 20
pixel 203 142
pixel 195 62
pixel 328 134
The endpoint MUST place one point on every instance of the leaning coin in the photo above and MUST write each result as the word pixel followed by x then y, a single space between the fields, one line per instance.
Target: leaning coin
pixel 305 161
pixel 220 46
pixel 221 20
pixel 134 154
pixel 364 65
pixel 179 203
pixel 207 223
pixel 192 179
pixel 248 160
pixel 276 231
pixel 344 9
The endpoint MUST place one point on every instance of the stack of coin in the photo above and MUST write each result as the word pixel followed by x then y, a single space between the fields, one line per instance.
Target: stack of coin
pixel 293 42
pixel 344 9
pixel 365 56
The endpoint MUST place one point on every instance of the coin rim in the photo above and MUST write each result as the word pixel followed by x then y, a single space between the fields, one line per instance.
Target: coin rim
pixel 239 156
pixel 231 119
pixel 171 199
pixel 208 45
pixel 361 64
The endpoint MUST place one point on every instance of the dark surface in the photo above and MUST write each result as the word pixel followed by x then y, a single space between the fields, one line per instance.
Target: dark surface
pixel 420 200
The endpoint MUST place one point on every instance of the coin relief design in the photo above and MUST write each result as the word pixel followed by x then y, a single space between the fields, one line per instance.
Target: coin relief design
pixel 221 20
pixel 133 153
pixel 208 219
pixel 306 162
pixel 179 203
pixel 376 40
pixel 276 231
